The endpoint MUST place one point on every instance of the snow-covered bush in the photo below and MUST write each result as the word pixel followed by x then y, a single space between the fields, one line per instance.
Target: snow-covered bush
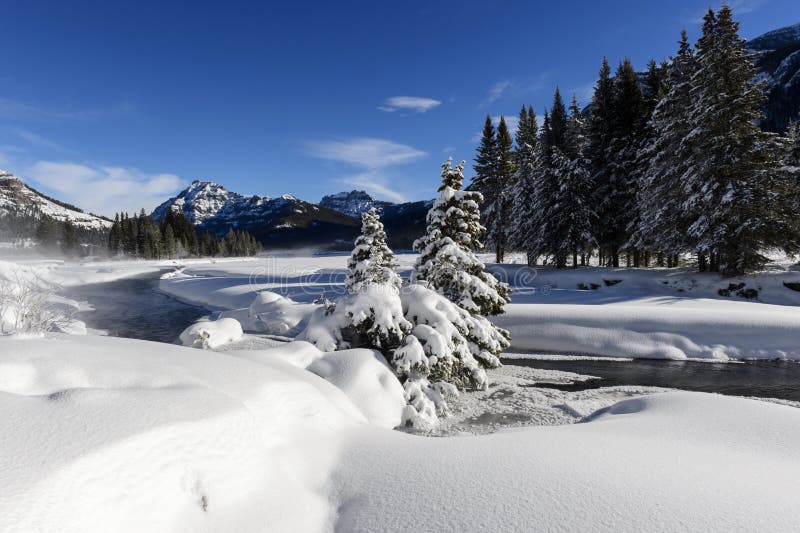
pixel 369 318
pixel 211 334
pixel 28 306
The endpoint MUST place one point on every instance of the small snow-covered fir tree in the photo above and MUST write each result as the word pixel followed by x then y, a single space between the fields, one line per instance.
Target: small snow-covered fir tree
pixel 447 260
pixel 372 261
pixel 370 314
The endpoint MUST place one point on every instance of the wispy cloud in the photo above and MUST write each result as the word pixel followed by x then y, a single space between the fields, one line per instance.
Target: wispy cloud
pixel 739 7
pixel 365 152
pixel 103 189
pixel 495 92
pixel 514 88
pixel 416 104
pixel 373 156
pixel 18 110
pixel 38 140
pixel 375 184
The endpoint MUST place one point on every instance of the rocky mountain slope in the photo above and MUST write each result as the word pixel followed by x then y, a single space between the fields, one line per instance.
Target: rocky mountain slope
pixel 352 203
pixel 17 198
pixel 779 65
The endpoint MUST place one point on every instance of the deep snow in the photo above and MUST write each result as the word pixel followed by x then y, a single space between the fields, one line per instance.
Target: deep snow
pixel 109 434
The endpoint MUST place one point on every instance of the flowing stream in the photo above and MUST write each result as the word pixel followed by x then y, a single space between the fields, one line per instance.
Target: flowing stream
pixel 133 308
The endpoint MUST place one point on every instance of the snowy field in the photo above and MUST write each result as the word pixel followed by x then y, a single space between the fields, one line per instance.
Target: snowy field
pixel 109 434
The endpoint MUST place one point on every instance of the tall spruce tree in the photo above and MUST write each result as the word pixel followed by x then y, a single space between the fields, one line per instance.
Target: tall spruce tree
pixel 663 217
pixel 524 218
pixel 494 167
pixel 741 199
pixel 616 189
pixel 599 138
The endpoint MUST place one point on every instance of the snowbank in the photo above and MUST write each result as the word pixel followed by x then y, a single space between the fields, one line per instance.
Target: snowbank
pixel 362 375
pixel 665 462
pixel 657 331
pixel 212 333
pixel 107 434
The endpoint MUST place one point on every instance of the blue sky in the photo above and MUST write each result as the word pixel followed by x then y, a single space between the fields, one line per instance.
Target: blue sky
pixel 114 105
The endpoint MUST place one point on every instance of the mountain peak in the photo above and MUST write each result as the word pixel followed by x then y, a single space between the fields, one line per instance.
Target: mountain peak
pixel 352 203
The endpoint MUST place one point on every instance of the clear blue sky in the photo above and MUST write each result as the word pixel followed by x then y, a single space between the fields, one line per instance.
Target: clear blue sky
pixel 114 105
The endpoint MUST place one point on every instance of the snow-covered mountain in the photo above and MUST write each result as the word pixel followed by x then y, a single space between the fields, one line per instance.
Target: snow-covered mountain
pixel 352 203
pixel 779 65
pixel 283 220
pixel 289 221
pixel 16 197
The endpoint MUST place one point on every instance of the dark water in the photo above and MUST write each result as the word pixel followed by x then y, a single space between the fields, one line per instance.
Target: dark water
pixel 766 379
pixel 134 308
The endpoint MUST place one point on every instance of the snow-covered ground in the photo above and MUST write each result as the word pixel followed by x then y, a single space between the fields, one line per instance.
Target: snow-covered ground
pixel 110 434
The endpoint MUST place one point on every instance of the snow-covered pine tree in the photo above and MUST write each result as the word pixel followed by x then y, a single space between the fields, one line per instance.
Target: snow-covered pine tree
pixel 618 207
pixel 524 218
pixel 735 187
pixel 663 218
pixel 372 261
pixel 370 314
pixel 546 195
pixel 447 259
pixel 579 216
pixel 451 344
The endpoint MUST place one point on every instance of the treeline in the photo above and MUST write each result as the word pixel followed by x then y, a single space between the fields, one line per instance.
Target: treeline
pixel 174 237
pixel 656 169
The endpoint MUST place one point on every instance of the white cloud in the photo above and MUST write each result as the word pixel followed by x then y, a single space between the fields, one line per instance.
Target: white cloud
pixel 373 156
pixel 101 189
pixel 374 184
pixel 365 152
pixel 417 104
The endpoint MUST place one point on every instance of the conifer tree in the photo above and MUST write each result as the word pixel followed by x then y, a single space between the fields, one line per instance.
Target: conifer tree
pixel 524 220
pixel 740 198
pixel 494 167
pixel 447 258
pixel 599 138
pixel 663 217
pixel 372 261
pixel 616 190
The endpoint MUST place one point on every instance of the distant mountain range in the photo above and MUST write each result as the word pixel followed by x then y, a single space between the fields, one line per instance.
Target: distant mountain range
pixel 285 221
pixel 779 65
